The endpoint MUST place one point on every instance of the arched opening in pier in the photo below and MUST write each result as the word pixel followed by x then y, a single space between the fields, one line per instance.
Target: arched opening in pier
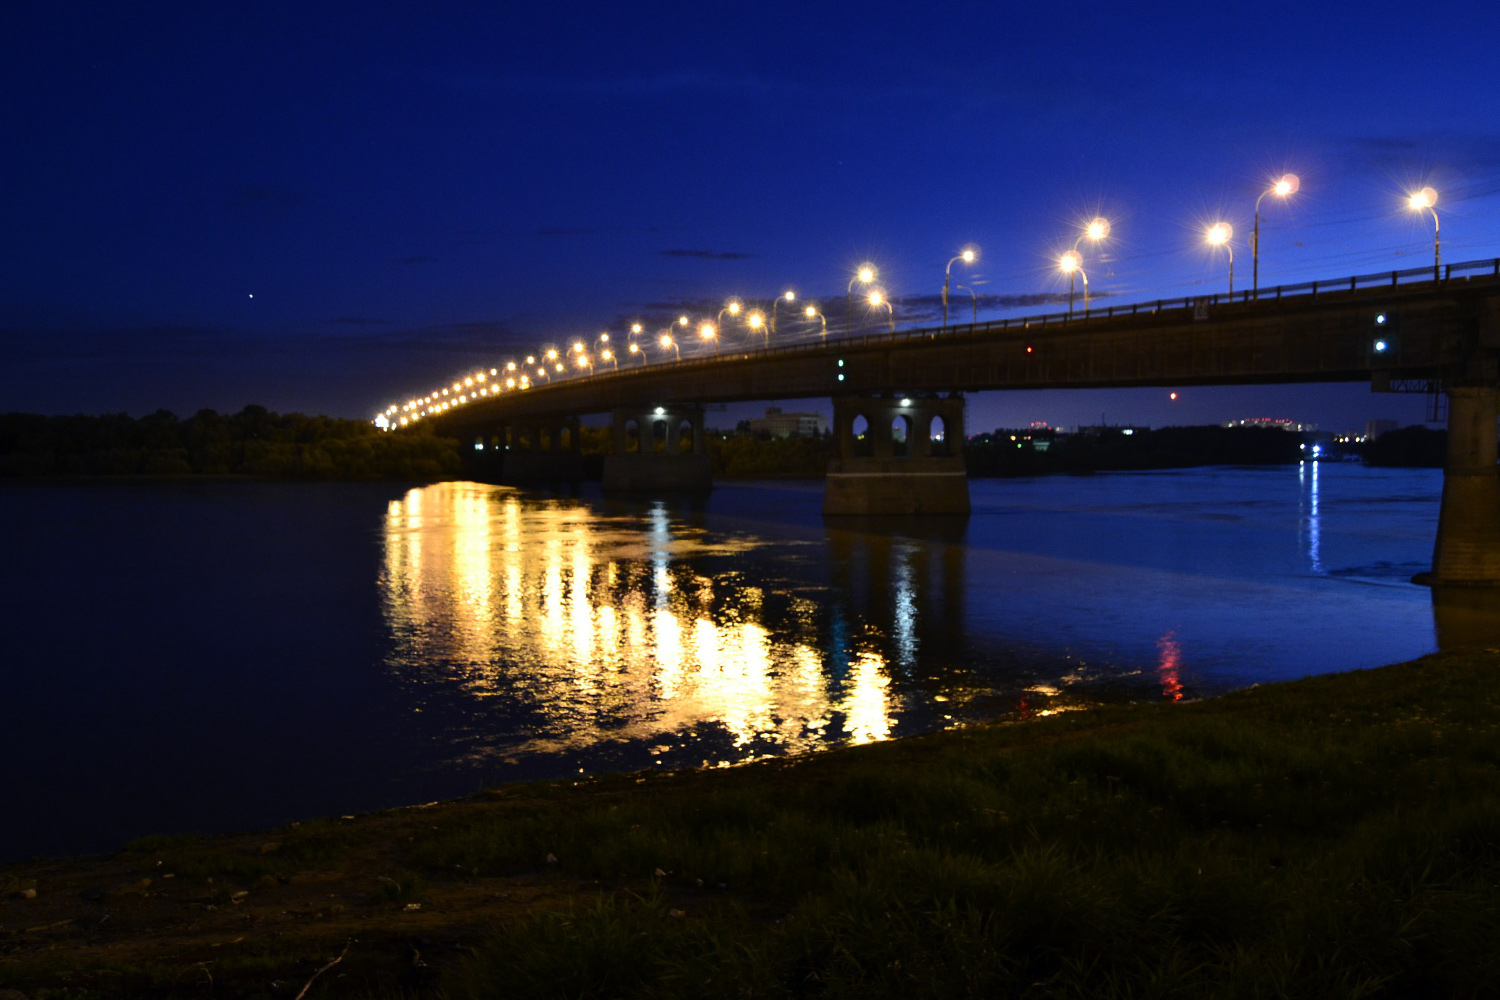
pixel 523 439
pixel 859 429
pixel 632 435
pixel 685 437
pixel 937 437
pixel 544 439
pixel 659 436
pixel 565 438
pixel 900 433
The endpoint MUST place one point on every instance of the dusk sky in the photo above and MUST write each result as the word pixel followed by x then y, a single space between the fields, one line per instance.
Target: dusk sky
pixel 326 208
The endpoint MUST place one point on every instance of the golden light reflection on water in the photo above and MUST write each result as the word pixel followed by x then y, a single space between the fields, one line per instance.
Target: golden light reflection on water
pixel 601 628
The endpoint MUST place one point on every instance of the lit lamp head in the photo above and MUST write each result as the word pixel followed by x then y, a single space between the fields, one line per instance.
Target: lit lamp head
pixel 734 307
pixel 789 295
pixel 583 361
pixel 708 331
pixel 666 340
pixel 635 348
pixel 1219 233
pixel 755 319
pixel 810 311
pixel 682 321
pixel 635 328
pixel 552 355
pixel 607 354
pixel 1425 198
pixel 604 337
pixel 866 273
pixel 1097 229
pixel 1286 185
pixel 877 298
pixel 531 359
pixel 578 347
pixel 969 255
pixel 1069 262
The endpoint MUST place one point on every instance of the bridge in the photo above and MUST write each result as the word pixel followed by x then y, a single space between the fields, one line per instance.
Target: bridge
pixel 1437 329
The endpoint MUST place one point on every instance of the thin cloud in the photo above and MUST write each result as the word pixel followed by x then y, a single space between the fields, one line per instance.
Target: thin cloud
pixel 707 254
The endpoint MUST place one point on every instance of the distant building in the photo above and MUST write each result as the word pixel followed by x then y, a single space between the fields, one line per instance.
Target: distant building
pixel 778 424
pixel 1375 428
pixel 1278 423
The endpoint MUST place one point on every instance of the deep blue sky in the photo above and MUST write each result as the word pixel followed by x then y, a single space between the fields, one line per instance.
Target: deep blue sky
pixel 411 190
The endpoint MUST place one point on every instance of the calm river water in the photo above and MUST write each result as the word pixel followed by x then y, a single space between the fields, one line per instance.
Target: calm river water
pixel 215 656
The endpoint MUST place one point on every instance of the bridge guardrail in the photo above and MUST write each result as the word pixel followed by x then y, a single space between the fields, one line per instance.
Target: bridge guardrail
pixel 1438 276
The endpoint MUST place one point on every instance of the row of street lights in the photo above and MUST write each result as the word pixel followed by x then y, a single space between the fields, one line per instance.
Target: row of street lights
pixel 549 362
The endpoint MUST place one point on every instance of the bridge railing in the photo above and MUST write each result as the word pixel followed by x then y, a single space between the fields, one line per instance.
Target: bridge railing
pixel 1437 276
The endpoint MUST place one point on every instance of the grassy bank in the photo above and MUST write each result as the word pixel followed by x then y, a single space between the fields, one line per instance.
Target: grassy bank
pixel 1338 837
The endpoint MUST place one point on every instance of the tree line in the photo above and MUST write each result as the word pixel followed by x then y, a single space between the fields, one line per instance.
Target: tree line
pixel 252 442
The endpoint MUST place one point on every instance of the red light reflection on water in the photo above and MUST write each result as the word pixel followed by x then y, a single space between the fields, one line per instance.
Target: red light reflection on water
pixel 1171 662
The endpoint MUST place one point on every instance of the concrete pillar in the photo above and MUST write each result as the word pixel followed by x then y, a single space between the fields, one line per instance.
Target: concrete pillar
pixel 1468 537
pixel 917 482
pixel 670 470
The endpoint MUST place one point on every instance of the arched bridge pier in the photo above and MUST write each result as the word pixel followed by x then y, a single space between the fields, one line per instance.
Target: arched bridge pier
pixel 897 455
pixel 658 449
pixel 529 451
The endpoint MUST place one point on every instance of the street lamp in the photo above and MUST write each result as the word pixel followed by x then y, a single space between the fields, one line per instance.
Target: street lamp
pixel 967 256
pixel 733 307
pixel 811 310
pixel 1219 235
pixel 1426 198
pixel 666 341
pixel 1285 187
pixel 1070 264
pixel 608 355
pixel 636 349
pixel 974 297
pixel 877 299
pixel 1096 230
pixel 707 331
pixel 864 276
pixel 756 320
pixel 786 296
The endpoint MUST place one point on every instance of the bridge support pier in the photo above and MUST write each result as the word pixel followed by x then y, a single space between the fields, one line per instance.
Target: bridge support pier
pixel 541 451
pixel 661 449
pixel 1468 536
pixel 919 470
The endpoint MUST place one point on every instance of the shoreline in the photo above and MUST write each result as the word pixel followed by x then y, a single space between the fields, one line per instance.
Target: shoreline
pixel 1262 785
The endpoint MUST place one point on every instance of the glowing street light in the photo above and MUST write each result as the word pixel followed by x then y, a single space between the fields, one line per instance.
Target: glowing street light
pixel 756 321
pixel 707 331
pixel 636 349
pixel 864 276
pixel 666 341
pixel 1095 231
pixel 786 296
pixel 1425 199
pixel 810 310
pixel 877 299
pixel 1219 235
pixel 733 307
pixel 608 355
pixel 1071 264
pixel 1285 187
pixel 968 256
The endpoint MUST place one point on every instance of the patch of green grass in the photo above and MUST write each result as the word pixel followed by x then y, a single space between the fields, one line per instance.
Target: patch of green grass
pixel 1338 836
pixel 284 851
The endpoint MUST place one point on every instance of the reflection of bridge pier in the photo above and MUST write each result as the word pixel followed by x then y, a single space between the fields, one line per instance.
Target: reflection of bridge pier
pixel 919 471
pixel 658 449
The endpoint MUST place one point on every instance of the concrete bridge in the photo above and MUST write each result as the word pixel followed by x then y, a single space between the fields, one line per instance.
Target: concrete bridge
pixel 1430 329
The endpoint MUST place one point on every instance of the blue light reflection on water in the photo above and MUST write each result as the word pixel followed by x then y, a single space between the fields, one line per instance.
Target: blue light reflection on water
pixel 218 656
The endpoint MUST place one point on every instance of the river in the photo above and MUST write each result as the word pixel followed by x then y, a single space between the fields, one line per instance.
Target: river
pixel 209 656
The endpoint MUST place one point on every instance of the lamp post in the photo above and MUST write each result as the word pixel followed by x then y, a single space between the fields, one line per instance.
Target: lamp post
pixel 756 321
pixel 786 296
pixel 1219 235
pixel 707 331
pixel 811 310
pixel 1070 264
pixel 967 256
pixel 1285 187
pixel 666 341
pixel 974 297
pixel 609 355
pixel 1097 230
pixel 636 349
pixel 864 275
pixel 1425 199
pixel 877 299
pixel 733 307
